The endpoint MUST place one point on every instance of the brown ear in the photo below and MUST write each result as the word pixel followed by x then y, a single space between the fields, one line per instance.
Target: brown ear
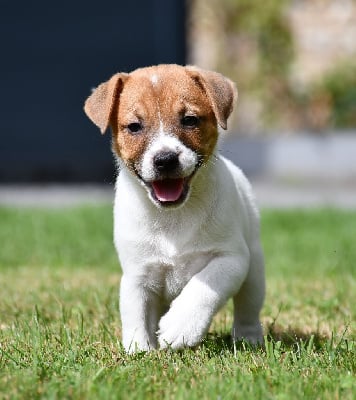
pixel 221 92
pixel 99 105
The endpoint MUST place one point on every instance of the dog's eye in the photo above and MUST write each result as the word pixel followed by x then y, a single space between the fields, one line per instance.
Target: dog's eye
pixel 190 121
pixel 134 127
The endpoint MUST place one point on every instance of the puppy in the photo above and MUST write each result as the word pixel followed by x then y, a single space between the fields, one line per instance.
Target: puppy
pixel 186 226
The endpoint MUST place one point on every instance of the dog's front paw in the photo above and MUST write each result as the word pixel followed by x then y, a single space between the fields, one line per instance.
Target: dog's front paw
pixel 182 328
pixel 135 343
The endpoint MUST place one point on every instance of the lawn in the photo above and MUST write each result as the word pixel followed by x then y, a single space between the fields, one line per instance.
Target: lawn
pixel 60 328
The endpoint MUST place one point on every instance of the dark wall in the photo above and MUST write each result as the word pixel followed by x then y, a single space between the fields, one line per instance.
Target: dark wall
pixel 52 54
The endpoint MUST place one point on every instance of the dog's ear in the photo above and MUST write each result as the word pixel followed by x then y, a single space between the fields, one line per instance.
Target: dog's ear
pixel 220 90
pixel 100 104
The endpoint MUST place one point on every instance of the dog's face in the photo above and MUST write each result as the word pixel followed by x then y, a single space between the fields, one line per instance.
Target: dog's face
pixel 164 123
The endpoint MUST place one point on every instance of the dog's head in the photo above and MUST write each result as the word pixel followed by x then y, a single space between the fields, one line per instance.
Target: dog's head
pixel 164 122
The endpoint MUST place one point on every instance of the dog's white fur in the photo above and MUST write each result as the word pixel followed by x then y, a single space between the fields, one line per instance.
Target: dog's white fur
pixel 180 265
pixel 194 258
pixel 165 142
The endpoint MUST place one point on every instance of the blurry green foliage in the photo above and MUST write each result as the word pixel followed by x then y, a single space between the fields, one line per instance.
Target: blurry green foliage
pixel 257 49
pixel 267 26
pixel 338 86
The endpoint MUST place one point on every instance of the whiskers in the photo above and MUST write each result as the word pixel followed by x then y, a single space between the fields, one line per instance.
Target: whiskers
pixel 211 161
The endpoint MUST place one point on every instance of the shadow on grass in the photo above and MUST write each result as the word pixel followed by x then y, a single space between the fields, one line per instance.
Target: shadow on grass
pixel 216 343
pixel 292 337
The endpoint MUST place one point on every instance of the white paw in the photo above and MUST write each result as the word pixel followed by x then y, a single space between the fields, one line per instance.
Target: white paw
pixel 182 328
pixel 135 343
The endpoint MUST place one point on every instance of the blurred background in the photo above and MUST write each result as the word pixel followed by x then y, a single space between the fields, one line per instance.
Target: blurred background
pixel 293 62
pixel 52 55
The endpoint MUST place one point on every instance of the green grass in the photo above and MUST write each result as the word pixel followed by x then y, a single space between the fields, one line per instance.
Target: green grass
pixel 60 328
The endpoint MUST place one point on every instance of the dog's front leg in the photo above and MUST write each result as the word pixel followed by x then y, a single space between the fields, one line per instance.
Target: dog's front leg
pixel 139 315
pixel 190 314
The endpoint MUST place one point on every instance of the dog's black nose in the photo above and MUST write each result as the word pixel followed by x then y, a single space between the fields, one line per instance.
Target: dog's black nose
pixel 166 161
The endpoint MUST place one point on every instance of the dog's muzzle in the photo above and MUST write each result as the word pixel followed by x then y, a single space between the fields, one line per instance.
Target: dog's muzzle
pixel 170 182
pixel 166 163
pixel 169 187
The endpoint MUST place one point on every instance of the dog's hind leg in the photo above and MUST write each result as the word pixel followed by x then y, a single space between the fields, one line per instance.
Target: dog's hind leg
pixel 249 300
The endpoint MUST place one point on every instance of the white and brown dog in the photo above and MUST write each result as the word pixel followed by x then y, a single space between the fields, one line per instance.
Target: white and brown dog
pixel 186 224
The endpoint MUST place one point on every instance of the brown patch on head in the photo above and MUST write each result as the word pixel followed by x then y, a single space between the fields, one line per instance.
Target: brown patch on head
pixel 158 99
pixel 137 105
pixel 179 97
pixel 221 92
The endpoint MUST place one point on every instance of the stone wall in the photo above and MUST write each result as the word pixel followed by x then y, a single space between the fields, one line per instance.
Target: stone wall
pixel 324 34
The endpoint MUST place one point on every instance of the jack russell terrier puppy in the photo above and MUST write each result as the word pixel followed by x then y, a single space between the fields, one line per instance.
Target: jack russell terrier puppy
pixel 186 226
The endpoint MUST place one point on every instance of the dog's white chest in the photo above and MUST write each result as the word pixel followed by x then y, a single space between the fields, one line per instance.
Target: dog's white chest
pixel 168 279
pixel 166 259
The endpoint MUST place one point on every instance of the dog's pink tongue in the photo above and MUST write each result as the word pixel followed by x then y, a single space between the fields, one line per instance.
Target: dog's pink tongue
pixel 168 189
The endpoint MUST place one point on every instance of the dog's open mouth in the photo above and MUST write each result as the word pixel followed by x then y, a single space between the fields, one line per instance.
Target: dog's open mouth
pixel 170 191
